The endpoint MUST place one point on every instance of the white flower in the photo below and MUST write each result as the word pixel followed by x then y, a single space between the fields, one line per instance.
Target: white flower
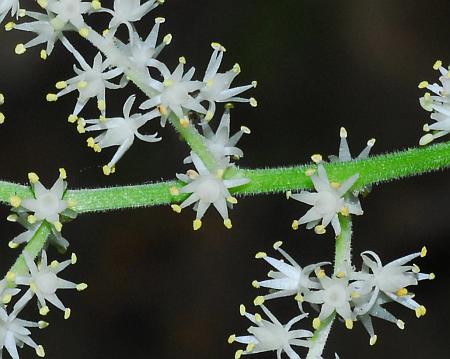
pixel 45 30
pixel 120 131
pixel 90 82
pixel 220 144
pixel 14 333
pixel 289 279
pixel 327 202
pixel 344 151
pixel 11 6
pixel 140 51
pixel 207 189
pixel 69 11
pixel 217 85
pixel 6 293
pixel 44 282
pixel 335 295
pixel 128 11
pixel 267 336
pixel 438 105
pixel 174 93
pixel 392 280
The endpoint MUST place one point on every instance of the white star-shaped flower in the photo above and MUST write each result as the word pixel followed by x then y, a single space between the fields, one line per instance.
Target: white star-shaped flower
pixel 7 6
pixel 69 11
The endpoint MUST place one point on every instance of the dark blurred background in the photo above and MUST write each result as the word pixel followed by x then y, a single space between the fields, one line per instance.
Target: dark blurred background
pixel 159 290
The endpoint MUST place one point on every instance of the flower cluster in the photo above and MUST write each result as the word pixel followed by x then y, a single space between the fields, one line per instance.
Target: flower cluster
pixel 46 205
pixel 438 104
pixel 353 295
pixel 331 199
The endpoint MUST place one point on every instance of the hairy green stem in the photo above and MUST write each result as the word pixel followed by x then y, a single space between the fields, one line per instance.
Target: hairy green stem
pixel 371 171
pixel 342 261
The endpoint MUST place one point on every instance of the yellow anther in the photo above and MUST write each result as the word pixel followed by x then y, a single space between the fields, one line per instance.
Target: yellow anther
pixel 182 60
pixel 317 158
pixel 102 118
pixel 20 49
pixel 167 83
pixel 373 339
pixel 355 295
pixel 294 225
pixel 340 274
pixel 73 258
pixel 72 118
pixel 2 99
pixel 51 97
pixel 335 185
pixel 33 177
pixel 42 324
pixel 58 226
pixel 33 287
pixel 288 194
pixel 371 142
pixel 12 218
pixel 246 130
pixel 423 251
pixel 82 85
pixel 62 173
pixel 258 317
pixel 31 219
pixel 400 324
pixel 97 149
pixel 62 85
pixel 84 32
pixel 320 273
pixel 415 268
pixel 209 115
pixel 242 310
pixel 250 347
pixel 105 32
pixel 253 102
pixel 232 200
pixel 167 39
pixel 423 84
pixel 309 172
pixel 345 211
pixel 320 229
pixel 113 169
pixel 254 84
pixel 10 276
pixel 238 354
pixel 163 110
pixel 174 191
pixel 349 323
pixel 260 255
pixel 81 287
pixel 220 173
pixel 184 122
pixel 40 351
pixel 432 276
pixel 44 310
pixel 255 284
pixel 196 224
pixel 176 208
pixel 437 65
pixel 343 132
pixel 227 223
pixel 259 300
pixel 316 323
pixel 231 338
pixel 42 3
pixel 402 292
pixel 54 264
pixel 67 313
pixel 299 298
pixel 106 170
pixel 2 118
pixel 101 105
pixel 9 26
pixel 15 201
pixel 237 68
pixel 12 245
pixel 90 142
pixel 420 311
pixel 6 298
pixel 43 54
pixel 277 245
pixel 96 4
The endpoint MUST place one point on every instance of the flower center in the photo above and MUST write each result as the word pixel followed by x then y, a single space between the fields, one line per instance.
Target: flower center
pixel 336 295
pixel 326 203
pixel 209 190
pixel 48 204
pixel 47 282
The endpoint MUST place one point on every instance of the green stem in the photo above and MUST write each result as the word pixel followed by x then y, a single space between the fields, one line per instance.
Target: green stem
pixel 341 262
pixel 371 171
pixel 33 247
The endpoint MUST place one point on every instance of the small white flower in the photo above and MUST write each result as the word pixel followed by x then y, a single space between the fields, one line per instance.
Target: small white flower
pixel 207 189
pixel 438 105
pixel 120 131
pixel 392 280
pixel 129 11
pixel 174 93
pixel 44 282
pixel 290 279
pixel 268 336
pixel 14 333
pixel 335 295
pixel 89 81
pixel 327 202
pixel 217 85
pixel 69 11
pixel 344 151
pixel 220 144
pixel 7 6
